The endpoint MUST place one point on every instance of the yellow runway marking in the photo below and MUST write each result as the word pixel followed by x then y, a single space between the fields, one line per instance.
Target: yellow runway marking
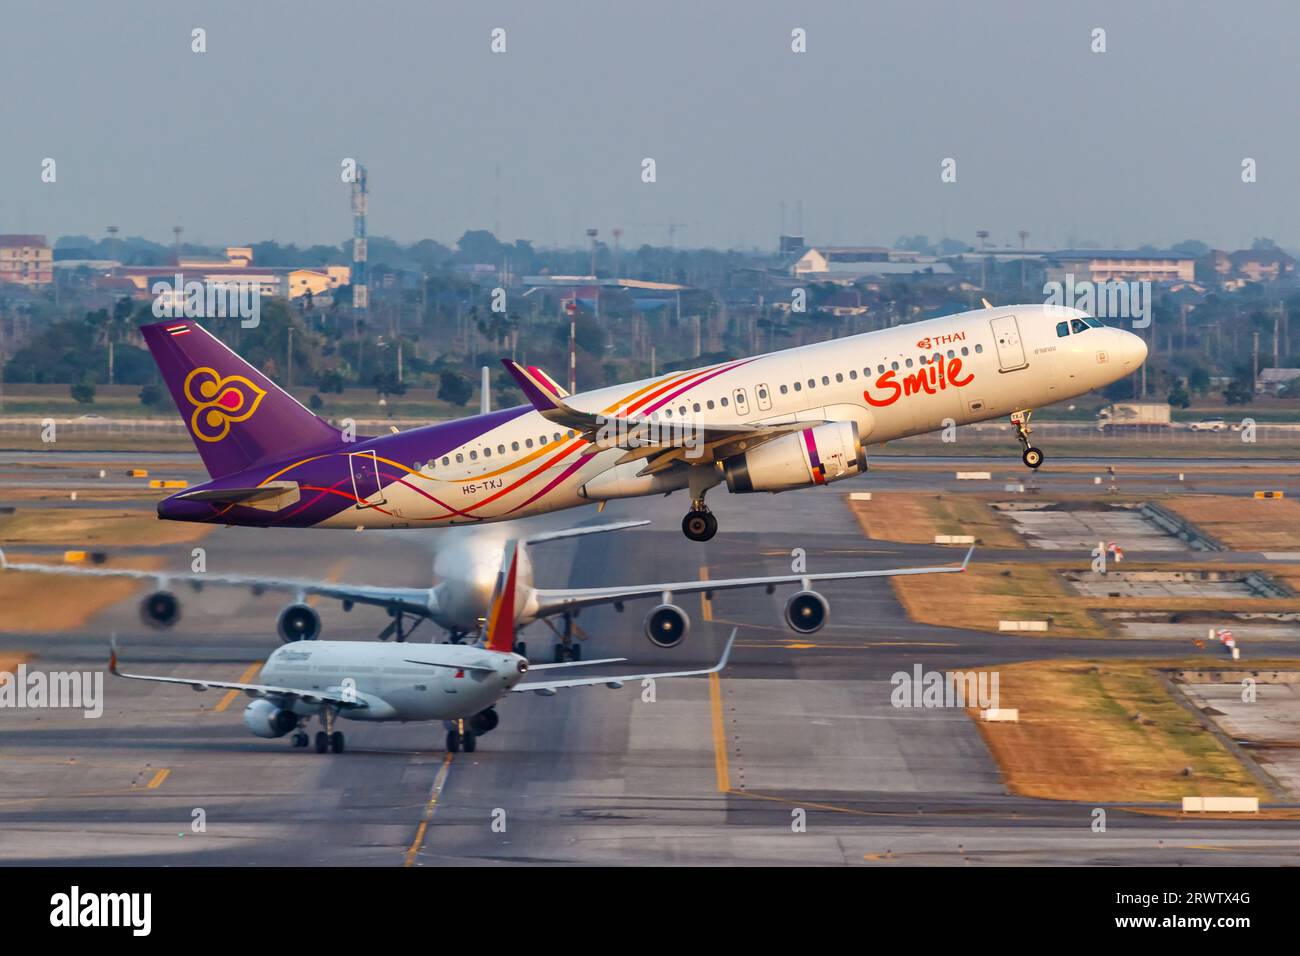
pixel 158 778
pixel 719 735
pixel 438 782
pixel 706 602
pixel 244 678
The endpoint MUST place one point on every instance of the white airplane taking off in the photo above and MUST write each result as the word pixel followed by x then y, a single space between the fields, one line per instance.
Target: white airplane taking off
pixel 798 418
pixel 459 684
pixel 469 570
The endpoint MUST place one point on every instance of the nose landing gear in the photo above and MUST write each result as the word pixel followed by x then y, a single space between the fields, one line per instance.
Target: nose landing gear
pixel 1031 456
pixel 460 737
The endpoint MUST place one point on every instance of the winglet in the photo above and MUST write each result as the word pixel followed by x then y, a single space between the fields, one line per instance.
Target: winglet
pixel 3 561
pixel 501 617
pixel 726 652
pixel 558 390
pixel 534 390
pixel 966 560
pixel 112 655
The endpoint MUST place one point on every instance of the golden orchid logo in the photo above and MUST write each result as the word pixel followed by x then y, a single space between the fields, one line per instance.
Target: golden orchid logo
pixel 219 401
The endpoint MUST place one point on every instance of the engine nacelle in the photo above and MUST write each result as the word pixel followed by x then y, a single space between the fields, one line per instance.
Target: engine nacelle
pixel 667 625
pixel 806 612
pixel 484 721
pixel 264 719
pixel 813 456
pixel 160 609
pixel 298 622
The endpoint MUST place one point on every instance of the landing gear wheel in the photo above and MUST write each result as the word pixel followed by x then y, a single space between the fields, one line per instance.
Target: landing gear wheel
pixel 300 739
pixel 453 742
pixel 575 653
pixel 470 742
pixel 1032 457
pixel 699 525
pixel 322 741
pixel 336 741
pixel 521 648
pixel 559 653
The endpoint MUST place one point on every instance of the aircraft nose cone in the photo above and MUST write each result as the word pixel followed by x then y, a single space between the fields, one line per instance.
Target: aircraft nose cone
pixel 1133 350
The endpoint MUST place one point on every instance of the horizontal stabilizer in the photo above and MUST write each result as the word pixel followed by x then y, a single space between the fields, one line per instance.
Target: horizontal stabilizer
pixel 271 497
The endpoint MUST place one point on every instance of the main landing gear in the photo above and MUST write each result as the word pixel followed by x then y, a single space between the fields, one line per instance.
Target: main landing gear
pixel 326 740
pixel 568 649
pixel 460 737
pixel 1031 456
pixel 699 523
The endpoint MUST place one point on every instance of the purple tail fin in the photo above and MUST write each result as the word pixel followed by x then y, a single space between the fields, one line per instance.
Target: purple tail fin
pixel 236 415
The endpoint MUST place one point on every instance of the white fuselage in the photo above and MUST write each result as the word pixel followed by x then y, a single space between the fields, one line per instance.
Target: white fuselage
pixel 397 681
pixel 907 380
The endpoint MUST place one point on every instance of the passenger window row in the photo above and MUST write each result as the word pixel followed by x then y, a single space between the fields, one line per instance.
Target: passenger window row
pixel 709 404
pixel 880 369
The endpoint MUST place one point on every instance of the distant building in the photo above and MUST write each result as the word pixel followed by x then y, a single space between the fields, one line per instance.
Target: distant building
pixel 845 302
pixel 1104 265
pixel 26 260
pixel 845 264
pixel 1272 381
pixel 1246 265
pixel 791 246
pixel 237 268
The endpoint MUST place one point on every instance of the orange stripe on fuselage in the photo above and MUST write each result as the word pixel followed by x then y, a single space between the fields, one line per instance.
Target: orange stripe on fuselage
pixel 666 388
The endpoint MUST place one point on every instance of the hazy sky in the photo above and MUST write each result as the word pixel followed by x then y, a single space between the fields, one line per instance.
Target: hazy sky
pixel 1142 143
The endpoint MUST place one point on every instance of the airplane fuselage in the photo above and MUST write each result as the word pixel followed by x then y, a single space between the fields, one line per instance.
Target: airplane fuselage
pixel 907 380
pixel 402 682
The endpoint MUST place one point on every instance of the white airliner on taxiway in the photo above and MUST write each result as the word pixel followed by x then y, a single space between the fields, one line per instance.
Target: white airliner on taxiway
pixel 459 684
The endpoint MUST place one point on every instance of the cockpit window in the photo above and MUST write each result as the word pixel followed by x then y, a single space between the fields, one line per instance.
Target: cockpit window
pixel 1062 329
pixel 1078 325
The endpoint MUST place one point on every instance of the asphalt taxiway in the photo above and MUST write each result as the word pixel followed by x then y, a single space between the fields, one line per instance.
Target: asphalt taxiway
pixel 709 771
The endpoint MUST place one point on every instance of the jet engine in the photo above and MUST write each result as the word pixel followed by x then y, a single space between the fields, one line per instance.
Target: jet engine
pixel 813 456
pixel 298 622
pixel 484 721
pixel 806 612
pixel 264 719
pixel 160 609
pixel 667 625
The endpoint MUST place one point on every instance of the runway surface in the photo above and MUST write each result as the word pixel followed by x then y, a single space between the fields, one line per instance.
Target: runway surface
pixel 710 771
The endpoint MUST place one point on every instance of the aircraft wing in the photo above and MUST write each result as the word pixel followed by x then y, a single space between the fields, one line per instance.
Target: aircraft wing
pixel 556 600
pixel 643 439
pixel 252 690
pixel 549 687
pixel 411 600
pixel 583 530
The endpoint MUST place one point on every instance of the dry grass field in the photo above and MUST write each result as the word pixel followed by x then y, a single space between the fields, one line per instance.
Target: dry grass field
pixel 95 528
pixel 1106 731
pixel 1243 524
pixel 916 519
pixel 46 603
